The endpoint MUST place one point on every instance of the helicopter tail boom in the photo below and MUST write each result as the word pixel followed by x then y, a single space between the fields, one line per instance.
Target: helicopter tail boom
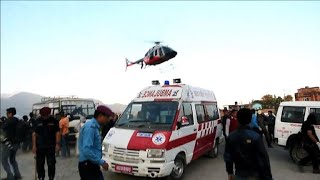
pixel 129 63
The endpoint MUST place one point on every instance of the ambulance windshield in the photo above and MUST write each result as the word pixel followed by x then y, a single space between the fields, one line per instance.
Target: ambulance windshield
pixel 148 115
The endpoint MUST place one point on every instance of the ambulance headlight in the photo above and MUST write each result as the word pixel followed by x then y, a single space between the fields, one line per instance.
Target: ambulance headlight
pixel 155 153
pixel 105 147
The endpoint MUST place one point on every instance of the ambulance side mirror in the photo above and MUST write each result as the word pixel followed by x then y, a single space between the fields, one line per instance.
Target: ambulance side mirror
pixel 183 122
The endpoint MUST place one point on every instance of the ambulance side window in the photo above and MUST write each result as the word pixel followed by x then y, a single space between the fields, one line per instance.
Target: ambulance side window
pixel 293 114
pixel 187 111
pixel 316 112
pixel 200 113
pixel 212 111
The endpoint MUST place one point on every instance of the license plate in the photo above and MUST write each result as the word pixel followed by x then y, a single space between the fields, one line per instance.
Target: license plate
pixel 123 169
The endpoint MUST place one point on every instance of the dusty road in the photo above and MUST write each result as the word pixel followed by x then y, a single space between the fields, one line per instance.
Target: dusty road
pixel 204 168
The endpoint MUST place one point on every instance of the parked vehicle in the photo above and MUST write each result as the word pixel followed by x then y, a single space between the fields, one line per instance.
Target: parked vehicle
pixel 289 119
pixel 162 130
pixel 73 106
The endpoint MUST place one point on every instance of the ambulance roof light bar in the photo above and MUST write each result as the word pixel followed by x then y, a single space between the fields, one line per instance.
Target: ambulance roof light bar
pixel 177 81
pixel 155 82
pixel 166 82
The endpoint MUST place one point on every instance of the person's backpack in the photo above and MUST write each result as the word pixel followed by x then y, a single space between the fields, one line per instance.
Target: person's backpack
pixel 21 131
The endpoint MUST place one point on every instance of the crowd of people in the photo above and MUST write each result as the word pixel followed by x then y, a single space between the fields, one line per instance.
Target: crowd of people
pixel 260 123
pixel 245 151
pixel 47 136
pixel 245 154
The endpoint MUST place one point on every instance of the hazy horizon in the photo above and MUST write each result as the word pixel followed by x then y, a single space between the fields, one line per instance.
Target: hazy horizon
pixel 240 50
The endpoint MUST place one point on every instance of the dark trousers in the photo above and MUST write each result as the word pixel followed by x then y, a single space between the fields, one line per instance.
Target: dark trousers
pixel 89 171
pixel 9 158
pixel 266 135
pixel 27 143
pixel 313 155
pixel 271 132
pixel 65 150
pixel 263 132
pixel 42 155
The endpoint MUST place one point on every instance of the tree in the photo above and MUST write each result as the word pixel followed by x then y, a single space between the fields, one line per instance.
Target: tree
pixel 267 97
pixel 267 101
pixel 288 98
pixel 277 103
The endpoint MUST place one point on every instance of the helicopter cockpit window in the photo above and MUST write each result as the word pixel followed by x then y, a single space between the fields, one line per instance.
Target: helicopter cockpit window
pixel 155 52
pixel 161 53
pixel 149 53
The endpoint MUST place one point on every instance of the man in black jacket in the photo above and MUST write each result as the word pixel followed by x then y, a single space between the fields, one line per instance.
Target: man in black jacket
pixel 10 146
pixel 246 151
pixel 310 143
pixel 46 142
pixel 271 123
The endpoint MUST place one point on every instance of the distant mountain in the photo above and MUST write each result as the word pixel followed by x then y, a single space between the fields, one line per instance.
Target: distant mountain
pixel 117 108
pixel 5 95
pixel 23 103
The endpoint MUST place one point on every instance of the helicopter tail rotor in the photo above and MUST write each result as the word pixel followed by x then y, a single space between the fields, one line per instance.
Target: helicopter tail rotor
pixel 128 63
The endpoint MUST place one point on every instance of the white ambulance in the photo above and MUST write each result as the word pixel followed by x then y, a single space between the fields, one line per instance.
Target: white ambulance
pixel 289 119
pixel 162 130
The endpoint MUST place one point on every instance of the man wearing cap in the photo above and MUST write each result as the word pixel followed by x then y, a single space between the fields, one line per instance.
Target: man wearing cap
pixel 46 142
pixel 246 151
pixel 90 146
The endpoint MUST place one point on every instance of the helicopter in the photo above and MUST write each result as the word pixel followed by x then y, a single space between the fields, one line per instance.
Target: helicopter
pixel 156 55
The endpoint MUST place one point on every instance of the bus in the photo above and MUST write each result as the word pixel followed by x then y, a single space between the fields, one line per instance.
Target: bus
pixel 76 108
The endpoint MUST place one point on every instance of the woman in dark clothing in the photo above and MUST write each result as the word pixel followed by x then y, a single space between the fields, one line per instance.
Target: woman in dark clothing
pixel 310 143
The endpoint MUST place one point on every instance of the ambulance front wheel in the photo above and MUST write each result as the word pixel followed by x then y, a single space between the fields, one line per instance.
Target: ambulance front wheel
pixel 178 169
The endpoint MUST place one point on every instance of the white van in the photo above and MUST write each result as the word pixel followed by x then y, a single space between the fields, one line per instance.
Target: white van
pixel 289 119
pixel 162 130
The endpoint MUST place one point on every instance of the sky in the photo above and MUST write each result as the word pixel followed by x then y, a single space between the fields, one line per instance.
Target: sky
pixel 240 50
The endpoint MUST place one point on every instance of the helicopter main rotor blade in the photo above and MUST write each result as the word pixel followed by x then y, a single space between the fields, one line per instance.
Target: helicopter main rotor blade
pixel 155 42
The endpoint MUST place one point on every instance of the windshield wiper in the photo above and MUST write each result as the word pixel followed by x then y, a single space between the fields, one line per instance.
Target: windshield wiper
pixel 141 125
pixel 122 124
pixel 139 120
pixel 136 120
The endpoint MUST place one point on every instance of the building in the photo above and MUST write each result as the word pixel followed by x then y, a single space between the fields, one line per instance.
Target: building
pixel 308 94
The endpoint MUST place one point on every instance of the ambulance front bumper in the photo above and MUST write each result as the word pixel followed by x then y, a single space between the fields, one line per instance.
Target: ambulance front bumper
pixel 144 168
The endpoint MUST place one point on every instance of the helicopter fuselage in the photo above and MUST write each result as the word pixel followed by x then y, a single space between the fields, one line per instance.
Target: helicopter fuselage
pixel 155 60
pixel 156 55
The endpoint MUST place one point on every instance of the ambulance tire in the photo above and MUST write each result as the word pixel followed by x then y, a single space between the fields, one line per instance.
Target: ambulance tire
pixel 214 152
pixel 297 152
pixel 180 160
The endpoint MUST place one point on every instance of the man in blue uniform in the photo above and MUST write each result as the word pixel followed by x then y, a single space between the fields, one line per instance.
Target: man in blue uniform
pixel 90 146
pixel 245 150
